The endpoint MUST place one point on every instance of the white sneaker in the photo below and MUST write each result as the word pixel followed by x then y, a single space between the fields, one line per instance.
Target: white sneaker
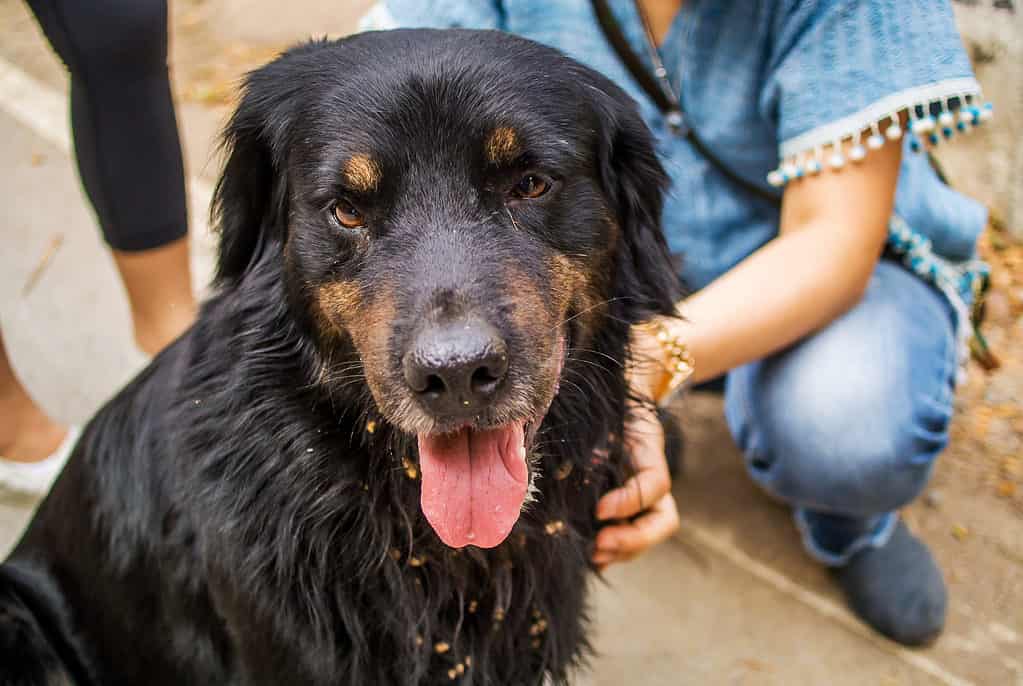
pixel 35 478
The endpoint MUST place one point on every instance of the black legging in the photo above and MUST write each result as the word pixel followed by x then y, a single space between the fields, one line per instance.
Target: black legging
pixel 122 116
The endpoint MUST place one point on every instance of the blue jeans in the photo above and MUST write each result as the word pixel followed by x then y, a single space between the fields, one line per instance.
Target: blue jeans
pixel 845 425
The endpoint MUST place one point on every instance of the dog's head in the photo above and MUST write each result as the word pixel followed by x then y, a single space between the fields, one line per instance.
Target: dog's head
pixel 456 213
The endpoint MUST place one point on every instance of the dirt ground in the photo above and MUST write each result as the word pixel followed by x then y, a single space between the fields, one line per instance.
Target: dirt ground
pixel 731 599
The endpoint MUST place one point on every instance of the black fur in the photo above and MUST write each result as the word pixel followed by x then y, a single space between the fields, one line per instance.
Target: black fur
pixel 228 518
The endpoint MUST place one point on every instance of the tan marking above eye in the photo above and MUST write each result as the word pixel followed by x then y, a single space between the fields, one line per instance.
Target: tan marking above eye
pixel 502 145
pixel 362 173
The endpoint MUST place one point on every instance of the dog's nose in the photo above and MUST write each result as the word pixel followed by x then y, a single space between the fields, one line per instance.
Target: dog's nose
pixel 456 368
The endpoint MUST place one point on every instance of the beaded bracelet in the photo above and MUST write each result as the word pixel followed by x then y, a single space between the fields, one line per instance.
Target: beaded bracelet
pixel 679 366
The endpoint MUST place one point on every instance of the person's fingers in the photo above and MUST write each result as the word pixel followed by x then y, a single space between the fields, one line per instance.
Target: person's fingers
pixel 644 439
pixel 647 486
pixel 623 541
pixel 638 493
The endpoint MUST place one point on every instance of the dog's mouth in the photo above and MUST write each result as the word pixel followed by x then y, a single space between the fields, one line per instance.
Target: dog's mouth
pixel 474 483
pixel 476 479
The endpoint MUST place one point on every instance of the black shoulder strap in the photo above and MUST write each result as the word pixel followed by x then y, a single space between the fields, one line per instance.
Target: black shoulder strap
pixel 613 34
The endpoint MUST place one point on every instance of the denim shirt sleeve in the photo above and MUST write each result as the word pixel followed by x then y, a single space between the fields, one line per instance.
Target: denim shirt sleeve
pixel 438 14
pixel 841 70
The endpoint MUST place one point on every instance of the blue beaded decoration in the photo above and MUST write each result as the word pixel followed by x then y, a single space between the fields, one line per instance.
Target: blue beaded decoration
pixel 929 124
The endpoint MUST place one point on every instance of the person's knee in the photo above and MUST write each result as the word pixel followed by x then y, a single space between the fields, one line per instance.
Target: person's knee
pixel 843 438
pixel 850 419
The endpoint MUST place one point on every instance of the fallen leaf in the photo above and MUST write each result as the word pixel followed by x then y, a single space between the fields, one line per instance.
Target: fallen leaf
pixel 755 665
pixel 51 250
pixel 1010 466
pixel 1005 410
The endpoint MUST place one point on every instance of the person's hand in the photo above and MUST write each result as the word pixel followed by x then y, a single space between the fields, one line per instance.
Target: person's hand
pixel 643 506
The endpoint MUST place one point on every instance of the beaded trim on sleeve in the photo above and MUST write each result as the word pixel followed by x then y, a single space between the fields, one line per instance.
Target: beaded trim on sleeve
pixel 934 113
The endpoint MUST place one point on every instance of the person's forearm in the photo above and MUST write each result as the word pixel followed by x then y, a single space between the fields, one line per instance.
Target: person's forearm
pixel 791 287
pixel 832 230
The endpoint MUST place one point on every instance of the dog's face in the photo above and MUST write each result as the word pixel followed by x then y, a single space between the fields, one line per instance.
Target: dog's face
pixel 456 213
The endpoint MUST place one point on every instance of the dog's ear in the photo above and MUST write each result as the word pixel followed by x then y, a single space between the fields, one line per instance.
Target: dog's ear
pixel 250 201
pixel 635 183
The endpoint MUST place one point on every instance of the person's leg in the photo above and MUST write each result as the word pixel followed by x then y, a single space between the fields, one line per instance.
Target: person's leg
pixel 159 286
pixel 129 159
pixel 127 149
pixel 845 426
pixel 27 434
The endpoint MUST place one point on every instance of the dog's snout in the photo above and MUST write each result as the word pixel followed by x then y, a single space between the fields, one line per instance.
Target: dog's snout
pixel 456 368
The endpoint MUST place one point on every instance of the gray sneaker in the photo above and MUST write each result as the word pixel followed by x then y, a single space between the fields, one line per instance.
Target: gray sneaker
pixel 897 589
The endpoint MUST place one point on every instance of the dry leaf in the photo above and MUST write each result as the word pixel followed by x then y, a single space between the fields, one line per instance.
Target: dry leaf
pixel 1010 466
pixel 755 665
pixel 52 247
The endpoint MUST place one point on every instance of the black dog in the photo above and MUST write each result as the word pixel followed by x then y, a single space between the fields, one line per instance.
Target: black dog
pixel 375 457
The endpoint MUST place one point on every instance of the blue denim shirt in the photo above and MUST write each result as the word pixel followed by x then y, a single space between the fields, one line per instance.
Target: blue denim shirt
pixel 773 86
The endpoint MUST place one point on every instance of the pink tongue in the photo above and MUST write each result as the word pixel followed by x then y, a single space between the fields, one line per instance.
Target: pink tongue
pixel 474 483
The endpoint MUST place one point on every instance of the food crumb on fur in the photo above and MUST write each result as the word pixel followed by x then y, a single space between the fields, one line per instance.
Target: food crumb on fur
pixel 553 528
pixel 411 470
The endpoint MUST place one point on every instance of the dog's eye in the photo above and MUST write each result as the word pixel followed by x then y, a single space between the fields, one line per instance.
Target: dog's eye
pixel 348 215
pixel 531 186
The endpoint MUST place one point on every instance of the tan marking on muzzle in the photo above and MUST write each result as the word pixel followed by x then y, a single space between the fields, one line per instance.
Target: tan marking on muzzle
pixel 362 173
pixel 339 302
pixel 530 306
pixel 537 318
pixel 574 289
pixel 367 319
pixel 502 145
